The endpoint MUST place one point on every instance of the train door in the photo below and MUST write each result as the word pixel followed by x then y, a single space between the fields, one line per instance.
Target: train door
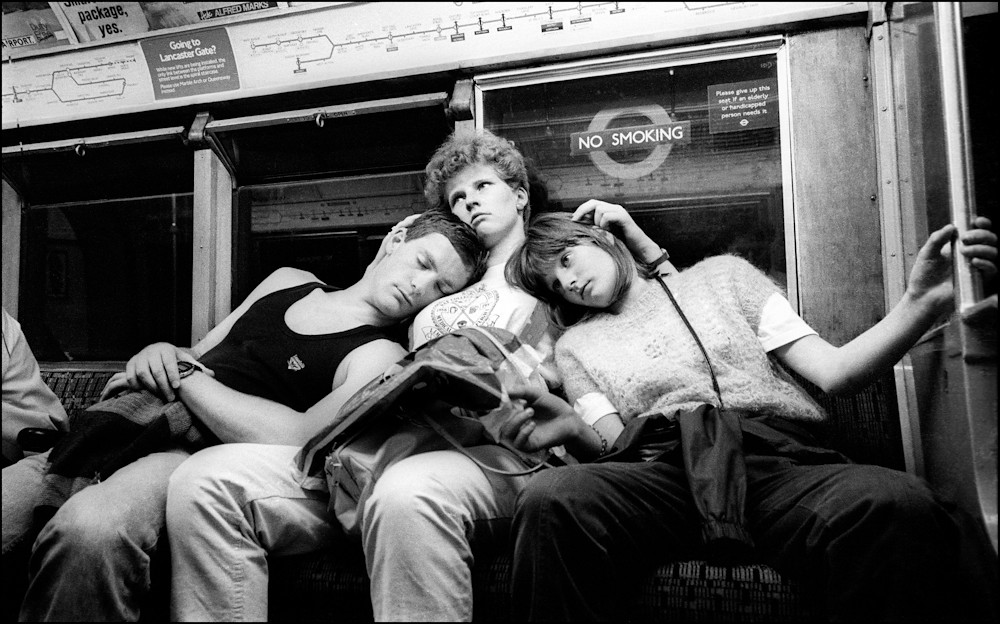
pixel 318 188
pixel 936 129
pixel 105 251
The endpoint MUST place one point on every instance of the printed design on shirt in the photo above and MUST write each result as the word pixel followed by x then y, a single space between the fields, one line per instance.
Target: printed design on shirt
pixel 472 307
pixel 295 364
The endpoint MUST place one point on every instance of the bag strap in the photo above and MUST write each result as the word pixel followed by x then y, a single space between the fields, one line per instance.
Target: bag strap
pixel 515 361
pixel 711 371
pixel 443 432
pixel 436 426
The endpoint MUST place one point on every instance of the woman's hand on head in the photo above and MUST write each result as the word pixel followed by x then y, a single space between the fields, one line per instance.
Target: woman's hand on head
pixel 618 221
pixel 611 217
pixel 396 229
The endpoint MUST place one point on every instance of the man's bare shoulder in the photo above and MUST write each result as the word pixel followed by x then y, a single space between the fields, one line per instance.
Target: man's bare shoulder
pixel 290 276
pixel 285 277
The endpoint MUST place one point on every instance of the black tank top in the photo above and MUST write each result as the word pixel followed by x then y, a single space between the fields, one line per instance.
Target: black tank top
pixel 263 357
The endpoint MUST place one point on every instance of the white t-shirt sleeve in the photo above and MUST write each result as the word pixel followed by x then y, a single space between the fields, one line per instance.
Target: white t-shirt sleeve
pixel 593 406
pixel 779 324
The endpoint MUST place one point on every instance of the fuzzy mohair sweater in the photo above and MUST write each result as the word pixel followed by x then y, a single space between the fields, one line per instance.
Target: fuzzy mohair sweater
pixel 644 359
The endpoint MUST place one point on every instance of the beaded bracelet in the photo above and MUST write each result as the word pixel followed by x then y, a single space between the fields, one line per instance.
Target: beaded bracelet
pixel 604 442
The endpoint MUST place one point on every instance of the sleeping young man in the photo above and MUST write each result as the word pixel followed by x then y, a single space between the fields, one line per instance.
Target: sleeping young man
pixel 272 373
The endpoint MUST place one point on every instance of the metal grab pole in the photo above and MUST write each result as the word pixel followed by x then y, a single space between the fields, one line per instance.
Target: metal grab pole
pixel 961 435
pixel 958 151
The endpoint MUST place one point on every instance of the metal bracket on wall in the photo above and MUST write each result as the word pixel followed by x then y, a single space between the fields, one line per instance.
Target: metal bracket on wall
pixel 461 106
pixel 199 137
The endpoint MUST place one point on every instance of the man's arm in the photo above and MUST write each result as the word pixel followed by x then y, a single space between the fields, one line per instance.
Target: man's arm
pixel 237 417
pixel 155 367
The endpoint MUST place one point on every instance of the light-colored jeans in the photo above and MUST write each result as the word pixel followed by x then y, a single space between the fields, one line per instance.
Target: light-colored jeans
pixel 418 524
pixel 21 481
pixel 90 562
pixel 231 506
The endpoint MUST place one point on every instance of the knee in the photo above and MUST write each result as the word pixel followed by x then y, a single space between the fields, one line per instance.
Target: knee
pixel 194 476
pixel 84 528
pixel 552 494
pixel 429 490
pixel 897 493
pixel 200 483
pixel 404 497
pixel 889 498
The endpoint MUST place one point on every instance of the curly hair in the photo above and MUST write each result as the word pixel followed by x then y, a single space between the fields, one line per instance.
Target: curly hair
pixel 548 237
pixel 461 151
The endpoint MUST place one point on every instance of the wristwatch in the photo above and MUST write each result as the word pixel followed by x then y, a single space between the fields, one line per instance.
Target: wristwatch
pixel 186 368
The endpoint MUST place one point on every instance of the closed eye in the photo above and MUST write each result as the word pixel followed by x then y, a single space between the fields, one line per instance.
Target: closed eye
pixel 430 263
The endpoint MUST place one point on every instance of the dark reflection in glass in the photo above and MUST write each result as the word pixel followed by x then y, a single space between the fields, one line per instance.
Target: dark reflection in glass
pixel 718 191
pixel 104 279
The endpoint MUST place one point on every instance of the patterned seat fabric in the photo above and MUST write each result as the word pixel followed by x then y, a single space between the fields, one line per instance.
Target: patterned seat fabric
pixel 77 389
pixel 333 585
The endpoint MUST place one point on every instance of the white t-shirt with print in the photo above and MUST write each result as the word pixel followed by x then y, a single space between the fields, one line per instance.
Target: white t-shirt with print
pixel 490 302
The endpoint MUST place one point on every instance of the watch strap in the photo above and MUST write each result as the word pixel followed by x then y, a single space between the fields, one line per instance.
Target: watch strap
pixel 660 260
pixel 186 368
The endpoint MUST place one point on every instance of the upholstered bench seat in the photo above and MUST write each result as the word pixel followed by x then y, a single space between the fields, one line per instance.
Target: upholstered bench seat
pixel 333 585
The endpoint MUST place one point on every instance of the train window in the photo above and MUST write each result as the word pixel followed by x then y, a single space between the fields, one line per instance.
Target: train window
pixel 355 143
pixel 331 227
pixel 318 189
pixel 106 251
pixel 691 149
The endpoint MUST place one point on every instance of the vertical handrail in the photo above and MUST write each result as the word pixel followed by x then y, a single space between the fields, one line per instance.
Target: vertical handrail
pixel 958 151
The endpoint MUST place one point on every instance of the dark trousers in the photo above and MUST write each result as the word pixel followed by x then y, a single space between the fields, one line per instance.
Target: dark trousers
pixel 875 543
